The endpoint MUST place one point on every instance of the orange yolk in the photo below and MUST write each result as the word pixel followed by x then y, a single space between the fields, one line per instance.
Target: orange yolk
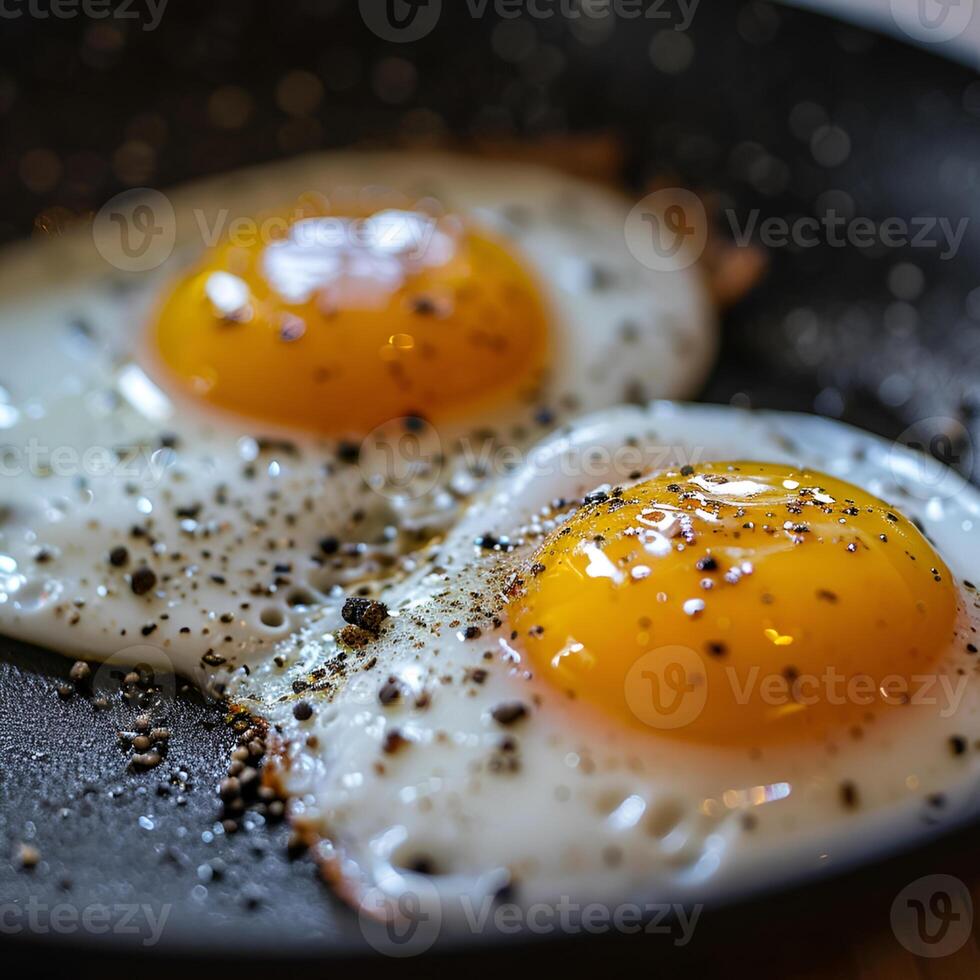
pixel 738 602
pixel 340 324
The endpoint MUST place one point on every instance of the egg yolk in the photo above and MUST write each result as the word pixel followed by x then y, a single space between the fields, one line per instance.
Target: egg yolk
pixel 737 602
pixel 338 323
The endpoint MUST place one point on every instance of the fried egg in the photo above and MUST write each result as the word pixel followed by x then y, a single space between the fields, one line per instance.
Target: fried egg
pixel 679 653
pixel 191 454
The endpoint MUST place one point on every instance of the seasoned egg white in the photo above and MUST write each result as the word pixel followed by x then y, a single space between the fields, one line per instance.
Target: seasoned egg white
pixel 434 758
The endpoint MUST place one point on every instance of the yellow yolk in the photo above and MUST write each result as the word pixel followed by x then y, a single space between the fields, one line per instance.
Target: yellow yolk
pixel 738 602
pixel 340 324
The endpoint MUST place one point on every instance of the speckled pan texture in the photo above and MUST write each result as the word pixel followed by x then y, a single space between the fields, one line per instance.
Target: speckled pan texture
pixel 885 338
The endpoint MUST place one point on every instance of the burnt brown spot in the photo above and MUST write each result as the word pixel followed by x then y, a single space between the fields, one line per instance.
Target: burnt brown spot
pixel 368 614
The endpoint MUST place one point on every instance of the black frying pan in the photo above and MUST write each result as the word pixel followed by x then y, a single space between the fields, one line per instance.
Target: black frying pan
pixel 836 330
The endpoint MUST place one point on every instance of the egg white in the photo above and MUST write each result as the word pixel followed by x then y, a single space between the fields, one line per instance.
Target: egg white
pixel 598 813
pixel 228 521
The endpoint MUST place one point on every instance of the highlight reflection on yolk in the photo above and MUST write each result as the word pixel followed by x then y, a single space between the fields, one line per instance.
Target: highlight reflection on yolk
pixel 800 605
pixel 343 323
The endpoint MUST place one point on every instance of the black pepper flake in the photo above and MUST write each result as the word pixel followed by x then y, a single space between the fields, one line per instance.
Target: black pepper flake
pixel 826 595
pixel 393 741
pixel 687 470
pixel 368 614
pixel 957 744
pixel 302 711
pixel 472 632
pixel 148 629
pixel 118 557
pixel 509 713
pixel 849 795
pixel 348 452
pixel 707 564
pixel 329 546
pixel 423 306
pixel 716 648
pixel 143 580
pixel 390 691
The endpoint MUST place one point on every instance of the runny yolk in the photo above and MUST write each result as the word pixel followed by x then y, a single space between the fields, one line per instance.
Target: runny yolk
pixel 339 324
pixel 738 602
